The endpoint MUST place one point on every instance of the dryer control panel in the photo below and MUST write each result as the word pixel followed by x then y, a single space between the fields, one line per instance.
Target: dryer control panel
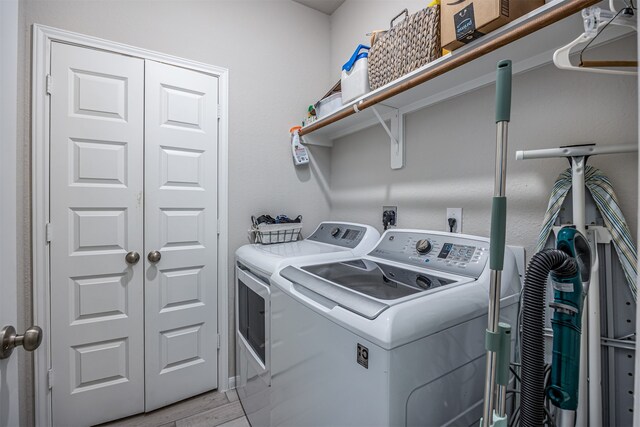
pixel 339 234
pixel 444 252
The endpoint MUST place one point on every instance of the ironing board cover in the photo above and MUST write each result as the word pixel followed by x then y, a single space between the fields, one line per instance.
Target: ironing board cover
pixel 600 188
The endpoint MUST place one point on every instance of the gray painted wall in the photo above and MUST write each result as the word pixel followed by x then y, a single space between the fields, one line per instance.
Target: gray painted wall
pixel 278 66
pixel 450 146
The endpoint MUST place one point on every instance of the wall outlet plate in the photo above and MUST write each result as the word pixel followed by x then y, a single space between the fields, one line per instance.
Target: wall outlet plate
pixel 395 212
pixel 457 214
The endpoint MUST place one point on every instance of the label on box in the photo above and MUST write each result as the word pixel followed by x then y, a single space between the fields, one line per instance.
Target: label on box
pixel 465 25
pixel 504 8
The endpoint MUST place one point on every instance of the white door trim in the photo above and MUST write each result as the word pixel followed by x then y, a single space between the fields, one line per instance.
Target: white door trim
pixel 43 36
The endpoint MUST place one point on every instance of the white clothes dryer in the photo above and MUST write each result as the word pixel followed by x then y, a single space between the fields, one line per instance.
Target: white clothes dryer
pixel 393 338
pixel 255 264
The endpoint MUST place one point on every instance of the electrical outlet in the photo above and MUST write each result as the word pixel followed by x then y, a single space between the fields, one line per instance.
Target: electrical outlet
pixel 389 219
pixel 455 213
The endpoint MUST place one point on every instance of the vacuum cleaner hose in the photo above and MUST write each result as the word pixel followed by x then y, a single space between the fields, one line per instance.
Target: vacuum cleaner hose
pixel 532 374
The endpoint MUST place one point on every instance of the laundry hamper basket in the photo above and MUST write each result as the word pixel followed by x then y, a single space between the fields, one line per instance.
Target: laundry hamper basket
pixel 406 46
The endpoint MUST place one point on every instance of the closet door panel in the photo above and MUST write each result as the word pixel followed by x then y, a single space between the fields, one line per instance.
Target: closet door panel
pixel 181 131
pixel 96 184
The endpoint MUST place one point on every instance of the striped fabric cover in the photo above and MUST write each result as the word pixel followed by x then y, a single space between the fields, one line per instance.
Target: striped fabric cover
pixel 600 188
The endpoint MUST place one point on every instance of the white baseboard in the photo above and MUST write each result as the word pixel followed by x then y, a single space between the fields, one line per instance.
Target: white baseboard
pixel 232 382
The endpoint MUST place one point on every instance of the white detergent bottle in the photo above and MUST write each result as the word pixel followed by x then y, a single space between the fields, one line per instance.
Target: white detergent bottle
pixel 355 75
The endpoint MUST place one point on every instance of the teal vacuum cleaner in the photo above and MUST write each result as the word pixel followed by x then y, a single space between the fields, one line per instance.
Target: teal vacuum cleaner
pixel 569 266
pixel 569 290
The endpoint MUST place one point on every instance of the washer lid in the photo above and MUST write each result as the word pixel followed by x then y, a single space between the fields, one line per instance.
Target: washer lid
pixel 345 298
pixel 377 280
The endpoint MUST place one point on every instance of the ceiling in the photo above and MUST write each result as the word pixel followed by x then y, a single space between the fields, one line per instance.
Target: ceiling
pixel 324 6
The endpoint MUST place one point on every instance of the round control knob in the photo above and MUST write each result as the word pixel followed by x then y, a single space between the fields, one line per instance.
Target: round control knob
pixel 423 246
pixel 424 282
pixel 335 231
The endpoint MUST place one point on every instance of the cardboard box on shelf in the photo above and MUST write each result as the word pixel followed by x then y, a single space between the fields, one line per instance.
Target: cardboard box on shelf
pixel 463 21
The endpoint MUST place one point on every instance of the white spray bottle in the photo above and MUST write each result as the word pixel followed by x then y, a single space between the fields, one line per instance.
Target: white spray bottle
pixel 300 155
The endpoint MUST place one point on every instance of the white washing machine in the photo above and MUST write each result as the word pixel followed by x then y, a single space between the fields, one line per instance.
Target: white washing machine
pixel 254 266
pixel 393 338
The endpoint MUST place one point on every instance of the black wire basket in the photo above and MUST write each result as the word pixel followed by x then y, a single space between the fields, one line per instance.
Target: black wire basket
pixel 268 234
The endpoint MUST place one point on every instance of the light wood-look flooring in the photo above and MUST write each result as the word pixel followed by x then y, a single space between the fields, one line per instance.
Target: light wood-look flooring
pixel 206 410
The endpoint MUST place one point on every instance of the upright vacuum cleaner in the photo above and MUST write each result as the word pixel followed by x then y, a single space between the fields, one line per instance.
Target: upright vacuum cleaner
pixel 570 267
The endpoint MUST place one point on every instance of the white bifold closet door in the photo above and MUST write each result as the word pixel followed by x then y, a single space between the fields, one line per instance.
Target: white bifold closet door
pixel 96 199
pixel 181 128
pixel 133 168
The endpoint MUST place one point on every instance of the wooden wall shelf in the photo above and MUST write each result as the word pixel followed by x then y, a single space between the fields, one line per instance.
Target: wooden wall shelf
pixel 464 70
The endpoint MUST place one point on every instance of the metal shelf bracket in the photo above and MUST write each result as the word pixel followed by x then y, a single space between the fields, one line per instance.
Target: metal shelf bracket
pixel 396 136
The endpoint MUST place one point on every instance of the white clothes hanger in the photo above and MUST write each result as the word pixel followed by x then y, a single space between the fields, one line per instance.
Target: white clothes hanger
pixel 595 19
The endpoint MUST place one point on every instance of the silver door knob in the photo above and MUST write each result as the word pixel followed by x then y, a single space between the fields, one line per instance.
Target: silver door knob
pixel 132 257
pixel 154 256
pixel 10 340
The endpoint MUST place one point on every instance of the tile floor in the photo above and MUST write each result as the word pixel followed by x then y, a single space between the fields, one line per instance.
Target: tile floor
pixel 206 410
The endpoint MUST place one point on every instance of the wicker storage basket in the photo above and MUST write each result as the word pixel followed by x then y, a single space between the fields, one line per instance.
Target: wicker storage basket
pixel 406 46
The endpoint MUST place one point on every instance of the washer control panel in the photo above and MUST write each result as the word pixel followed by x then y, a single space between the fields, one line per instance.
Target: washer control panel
pixel 451 254
pixel 339 234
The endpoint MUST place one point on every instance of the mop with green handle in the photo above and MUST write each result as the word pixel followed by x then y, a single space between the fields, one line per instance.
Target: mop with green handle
pixel 497 339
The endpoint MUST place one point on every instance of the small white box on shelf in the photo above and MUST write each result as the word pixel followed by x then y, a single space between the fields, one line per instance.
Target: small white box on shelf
pixel 328 105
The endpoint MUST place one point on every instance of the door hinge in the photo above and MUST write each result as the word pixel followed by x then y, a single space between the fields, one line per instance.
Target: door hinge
pixel 218 341
pixel 219 111
pixel 48 232
pixel 50 378
pixel 48 84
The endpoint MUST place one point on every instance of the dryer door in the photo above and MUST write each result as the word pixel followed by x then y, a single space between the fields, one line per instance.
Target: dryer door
pixel 253 348
pixel 253 317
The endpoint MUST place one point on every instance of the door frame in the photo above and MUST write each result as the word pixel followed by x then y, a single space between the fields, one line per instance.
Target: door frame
pixel 9 375
pixel 43 36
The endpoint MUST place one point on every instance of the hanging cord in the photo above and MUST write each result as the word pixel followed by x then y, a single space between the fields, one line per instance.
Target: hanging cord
pixel 549 419
pixel 549 411
pixel 627 9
